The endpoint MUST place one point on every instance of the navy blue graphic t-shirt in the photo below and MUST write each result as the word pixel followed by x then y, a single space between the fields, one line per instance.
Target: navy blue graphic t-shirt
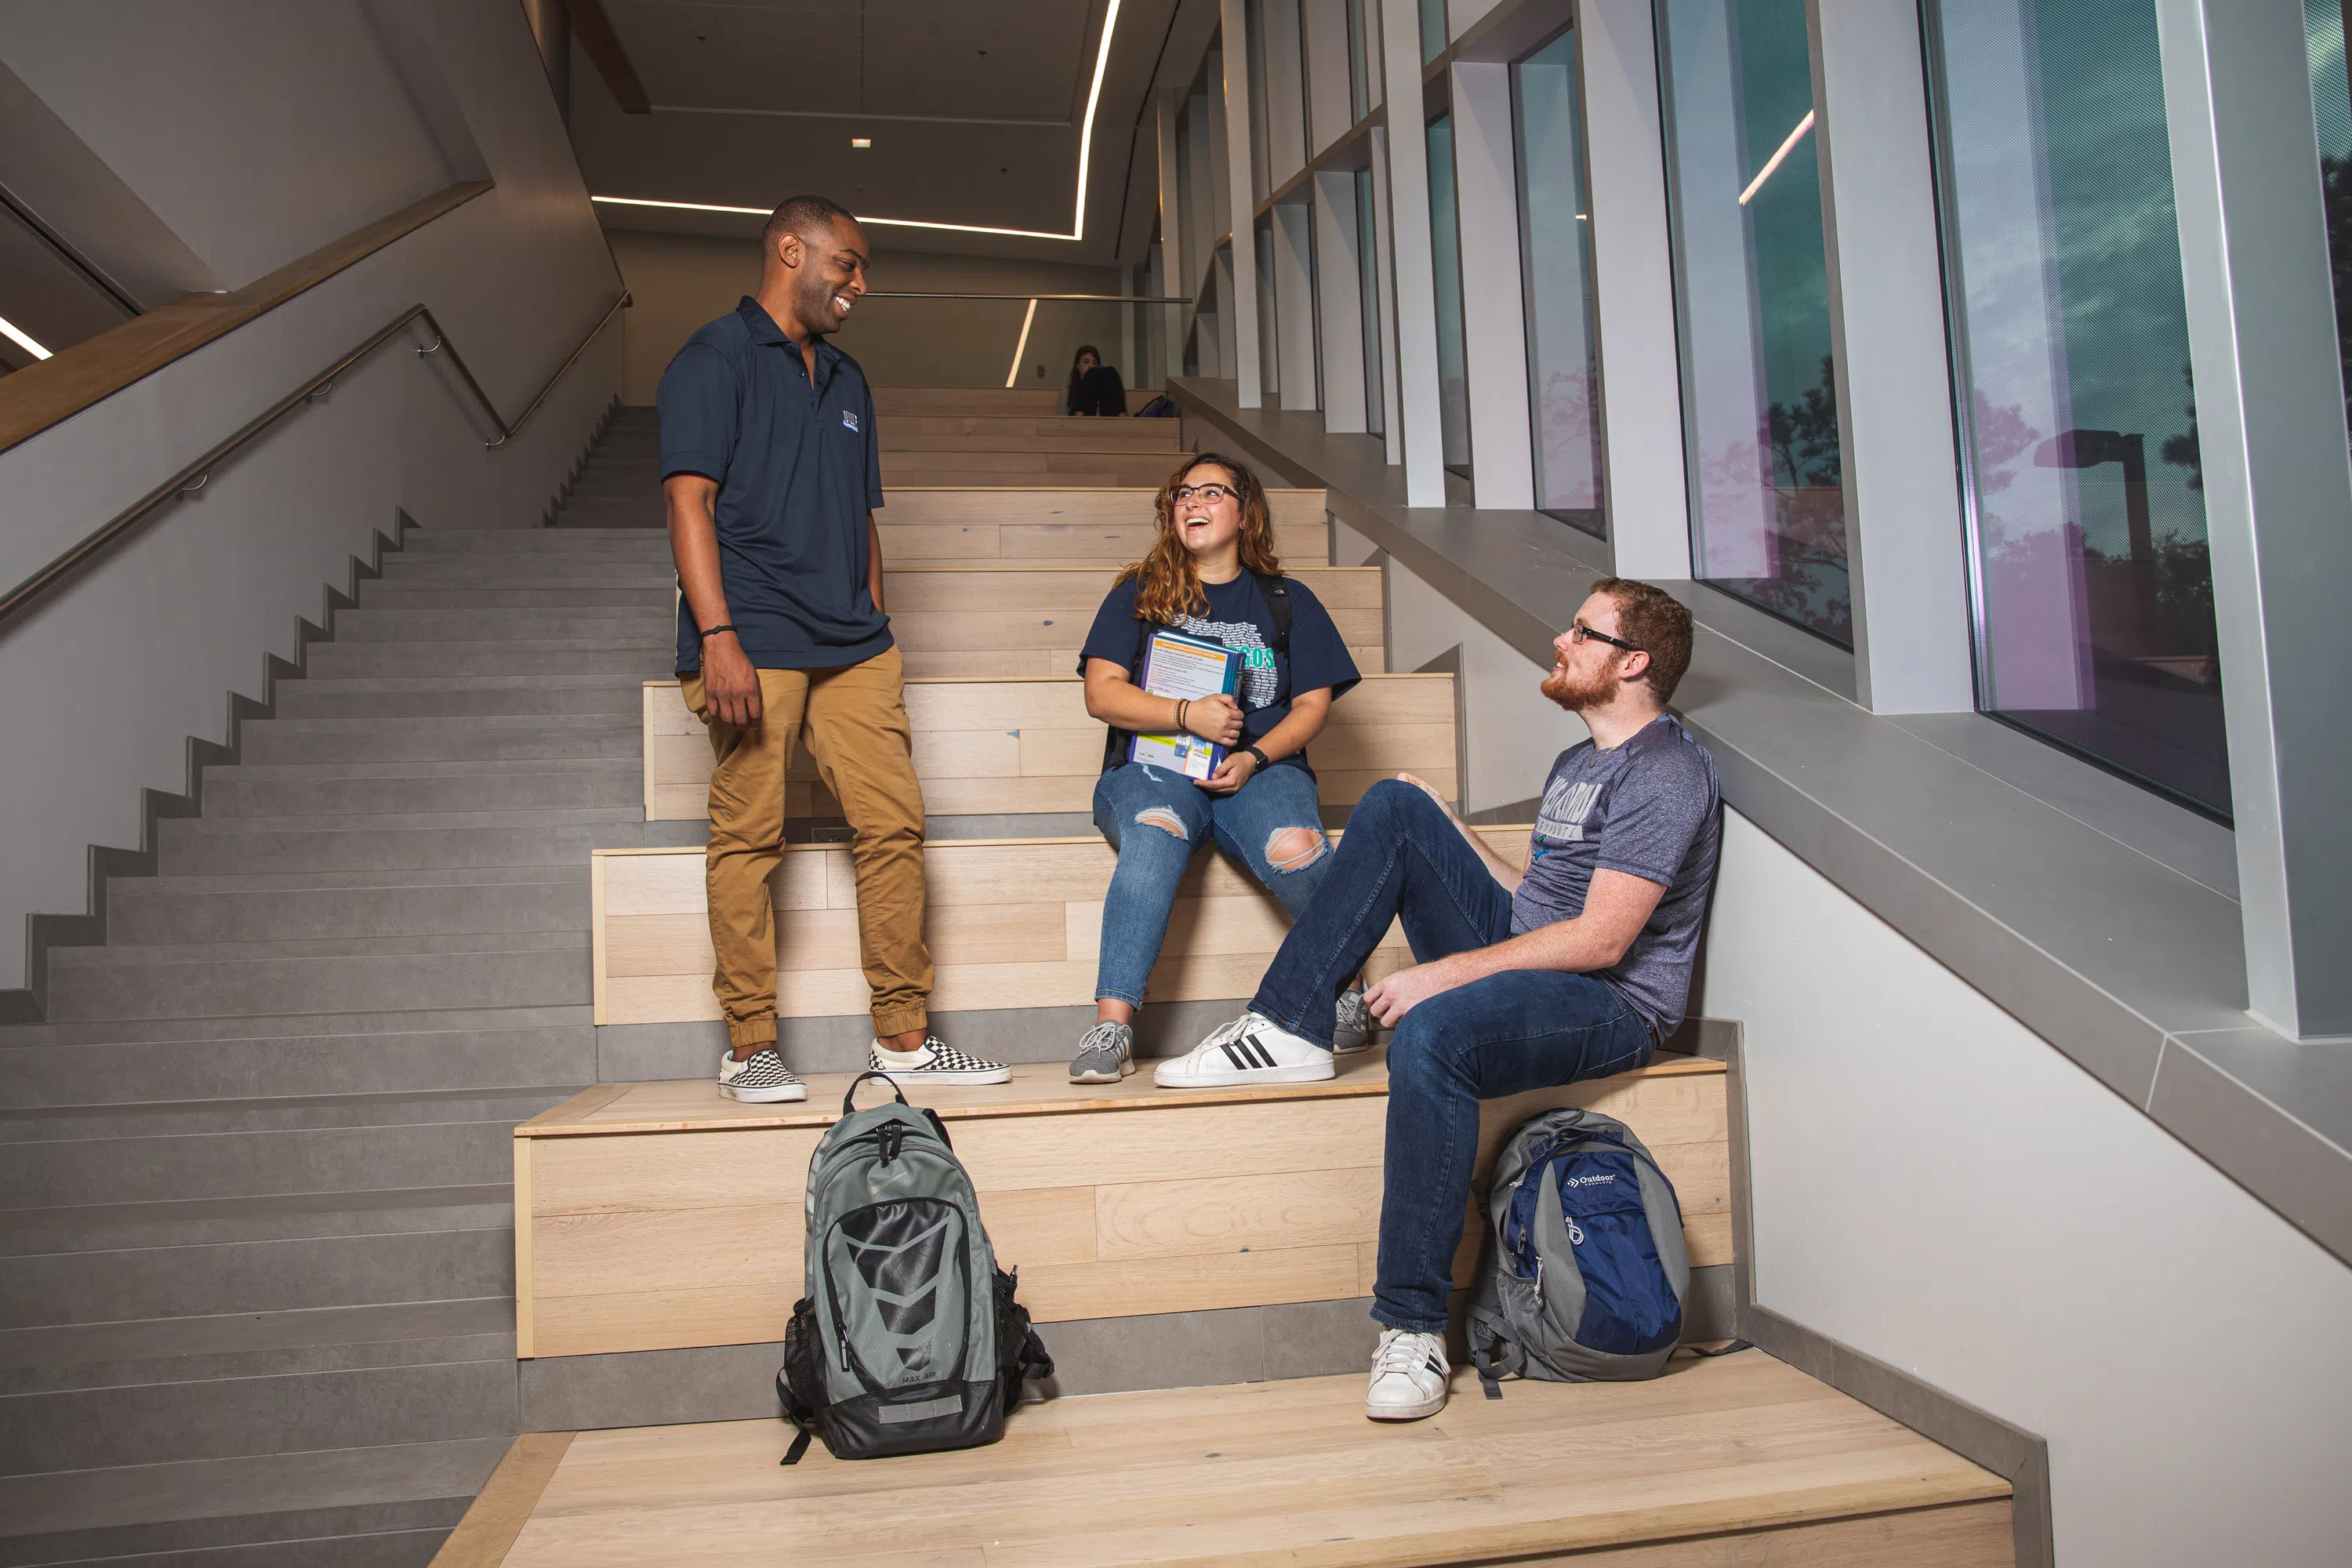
pixel 1649 808
pixel 1237 616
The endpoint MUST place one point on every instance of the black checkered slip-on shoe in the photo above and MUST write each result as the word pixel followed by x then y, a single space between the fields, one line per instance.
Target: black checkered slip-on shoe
pixel 761 1078
pixel 937 1062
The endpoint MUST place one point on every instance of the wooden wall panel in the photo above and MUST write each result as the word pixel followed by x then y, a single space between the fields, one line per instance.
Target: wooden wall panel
pixel 1134 1204
pixel 1014 746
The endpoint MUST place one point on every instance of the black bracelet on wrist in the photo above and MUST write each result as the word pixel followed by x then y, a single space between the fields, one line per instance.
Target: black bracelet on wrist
pixel 1262 762
pixel 714 631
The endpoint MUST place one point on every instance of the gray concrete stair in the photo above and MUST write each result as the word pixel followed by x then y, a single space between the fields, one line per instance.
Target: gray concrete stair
pixel 256 1261
pixel 349 788
pixel 514 737
pixel 507 969
pixel 288 906
pixel 100 1263
pixel 111 1062
pixel 642 653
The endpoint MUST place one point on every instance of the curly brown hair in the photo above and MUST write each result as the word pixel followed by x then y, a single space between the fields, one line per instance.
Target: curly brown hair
pixel 1168 582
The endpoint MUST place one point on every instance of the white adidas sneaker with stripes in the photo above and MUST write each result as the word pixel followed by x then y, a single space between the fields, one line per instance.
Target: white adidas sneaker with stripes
pixel 1250 1050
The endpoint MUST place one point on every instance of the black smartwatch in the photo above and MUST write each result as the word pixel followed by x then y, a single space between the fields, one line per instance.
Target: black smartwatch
pixel 1262 764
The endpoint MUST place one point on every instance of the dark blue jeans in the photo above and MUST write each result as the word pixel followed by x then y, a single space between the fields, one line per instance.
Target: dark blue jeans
pixel 1402 858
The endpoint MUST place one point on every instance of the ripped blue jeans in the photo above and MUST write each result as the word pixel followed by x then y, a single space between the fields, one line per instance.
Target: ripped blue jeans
pixel 1158 821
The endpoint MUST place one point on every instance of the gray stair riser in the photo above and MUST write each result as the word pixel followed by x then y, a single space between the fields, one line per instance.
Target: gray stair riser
pixel 255 1164
pixel 490 742
pixel 548 541
pixel 182 1223
pixel 193 855
pixel 653 575
pixel 255 1277
pixel 553 788
pixel 291 914
pixel 639 657
pixel 622 698
pixel 655 596
pixel 92 1428
pixel 271 1114
pixel 262 986
pixel 341 1064
pixel 567 624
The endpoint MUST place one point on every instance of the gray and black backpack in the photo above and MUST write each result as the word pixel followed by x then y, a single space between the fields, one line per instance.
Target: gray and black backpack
pixel 909 1339
pixel 1584 1273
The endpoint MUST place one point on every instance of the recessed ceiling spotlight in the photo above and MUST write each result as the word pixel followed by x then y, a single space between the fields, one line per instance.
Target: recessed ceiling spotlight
pixel 861 142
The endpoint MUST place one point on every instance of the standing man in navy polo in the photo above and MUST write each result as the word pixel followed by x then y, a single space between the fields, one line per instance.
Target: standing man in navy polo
pixel 770 473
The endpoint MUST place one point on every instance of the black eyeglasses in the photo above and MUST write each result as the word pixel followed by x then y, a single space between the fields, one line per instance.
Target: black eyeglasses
pixel 1211 493
pixel 1578 632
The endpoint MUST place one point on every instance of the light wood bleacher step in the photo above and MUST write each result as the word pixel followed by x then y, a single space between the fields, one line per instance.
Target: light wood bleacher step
pixel 984 747
pixel 1012 922
pixel 659 1217
pixel 1738 1463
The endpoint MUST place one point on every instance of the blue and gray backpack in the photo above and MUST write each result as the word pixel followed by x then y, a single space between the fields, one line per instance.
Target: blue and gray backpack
pixel 1584 1273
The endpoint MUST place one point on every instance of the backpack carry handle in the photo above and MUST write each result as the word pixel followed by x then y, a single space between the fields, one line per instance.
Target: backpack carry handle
pixel 849 1100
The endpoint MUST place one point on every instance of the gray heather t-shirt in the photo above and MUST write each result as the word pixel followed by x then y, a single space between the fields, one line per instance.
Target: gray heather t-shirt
pixel 1648 807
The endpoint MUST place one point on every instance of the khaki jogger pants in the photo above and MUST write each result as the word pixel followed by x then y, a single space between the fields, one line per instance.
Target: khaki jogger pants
pixel 858 732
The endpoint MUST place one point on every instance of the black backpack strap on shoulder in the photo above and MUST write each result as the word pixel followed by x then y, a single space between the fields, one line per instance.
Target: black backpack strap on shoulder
pixel 1277 590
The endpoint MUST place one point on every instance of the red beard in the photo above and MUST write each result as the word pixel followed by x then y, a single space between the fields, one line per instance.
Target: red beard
pixel 1564 688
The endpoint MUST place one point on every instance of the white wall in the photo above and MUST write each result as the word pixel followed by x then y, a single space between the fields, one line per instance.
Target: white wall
pixel 255 139
pixel 100 685
pixel 1937 1186
pixel 1511 732
pixel 681 280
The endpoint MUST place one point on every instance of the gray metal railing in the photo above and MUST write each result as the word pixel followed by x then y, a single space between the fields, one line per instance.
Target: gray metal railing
pixel 193 476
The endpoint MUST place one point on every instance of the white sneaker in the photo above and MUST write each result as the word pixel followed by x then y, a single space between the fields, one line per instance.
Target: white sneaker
pixel 1408 1372
pixel 937 1062
pixel 1250 1050
pixel 761 1078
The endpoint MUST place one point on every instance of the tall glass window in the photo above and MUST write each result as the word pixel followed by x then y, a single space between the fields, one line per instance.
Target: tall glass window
pixel 1445 254
pixel 1359 93
pixel 1269 336
pixel 1555 268
pixel 1751 285
pixel 1432 29
pixel 1254 27
pixel 2323 25
pixel 2087 516
pixel 1367 292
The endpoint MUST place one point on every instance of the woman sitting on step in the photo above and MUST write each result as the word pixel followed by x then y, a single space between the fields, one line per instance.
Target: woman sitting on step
pixel 1211 573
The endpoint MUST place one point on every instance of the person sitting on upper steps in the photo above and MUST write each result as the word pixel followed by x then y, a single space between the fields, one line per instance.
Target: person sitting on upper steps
pixel 1210 575
pixel 1095 387
pixel 1575 966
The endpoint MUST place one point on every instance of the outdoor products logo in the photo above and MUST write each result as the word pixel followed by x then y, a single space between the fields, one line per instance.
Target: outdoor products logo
pixel 849 419
pixel 1600 1181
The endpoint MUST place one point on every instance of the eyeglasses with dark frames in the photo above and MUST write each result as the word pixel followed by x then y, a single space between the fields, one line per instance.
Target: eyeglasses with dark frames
pixel 1579 632
pixel 1211 493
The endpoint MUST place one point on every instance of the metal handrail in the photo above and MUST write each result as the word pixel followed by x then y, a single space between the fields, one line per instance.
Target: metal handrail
pixel 1106 298
pixel 191 477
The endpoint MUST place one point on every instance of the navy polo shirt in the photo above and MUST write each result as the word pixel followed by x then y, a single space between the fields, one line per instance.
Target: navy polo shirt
pixel 797 467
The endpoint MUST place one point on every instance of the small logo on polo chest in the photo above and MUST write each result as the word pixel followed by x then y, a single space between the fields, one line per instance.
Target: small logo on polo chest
pixel 849 419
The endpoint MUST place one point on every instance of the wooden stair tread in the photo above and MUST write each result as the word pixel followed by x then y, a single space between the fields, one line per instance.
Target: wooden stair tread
pixel 693 1105
pixel 1289 1472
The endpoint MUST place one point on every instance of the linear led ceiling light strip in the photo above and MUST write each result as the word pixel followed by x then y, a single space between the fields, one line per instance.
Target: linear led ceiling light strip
pixel 1077 216
pixel 9 330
